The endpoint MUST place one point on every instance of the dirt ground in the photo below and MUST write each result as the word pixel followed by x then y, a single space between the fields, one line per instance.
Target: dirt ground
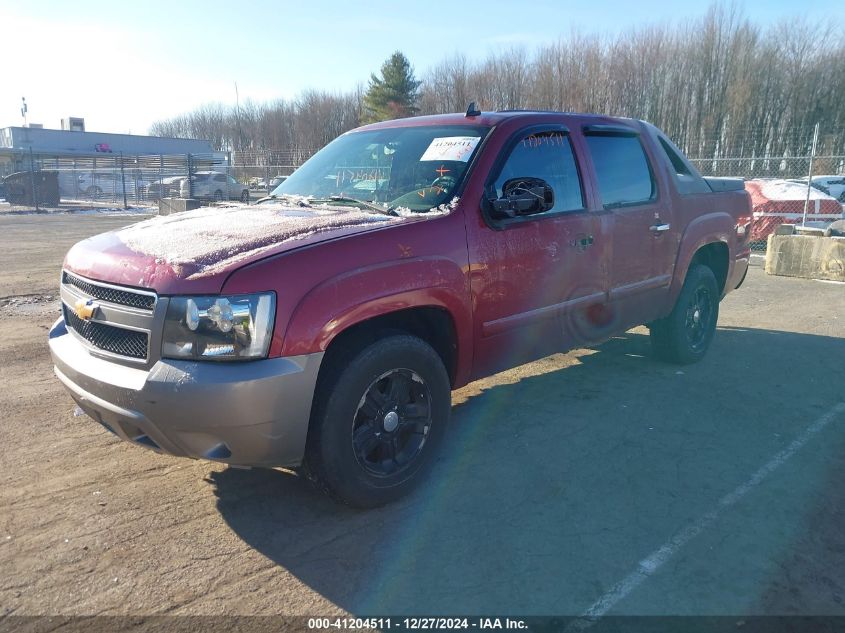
pixel 558 479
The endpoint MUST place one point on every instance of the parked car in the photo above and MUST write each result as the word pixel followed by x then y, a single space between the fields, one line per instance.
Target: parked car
pixel 322 331
pixel 832 185
pixel 165 187
pixel 776 202
pixel 276 181
pixel 213 185
pixel 108 184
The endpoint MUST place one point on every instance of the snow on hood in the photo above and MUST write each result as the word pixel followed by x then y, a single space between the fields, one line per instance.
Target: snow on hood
pixel 208 240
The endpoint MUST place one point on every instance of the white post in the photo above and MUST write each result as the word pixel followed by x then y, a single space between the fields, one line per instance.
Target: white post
pixel 810 174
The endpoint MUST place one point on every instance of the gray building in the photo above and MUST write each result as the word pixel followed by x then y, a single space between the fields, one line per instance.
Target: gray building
pixel 107 167
pixel 16 143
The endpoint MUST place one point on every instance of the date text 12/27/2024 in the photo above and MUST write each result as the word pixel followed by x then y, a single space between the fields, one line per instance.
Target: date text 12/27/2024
pixel 417 624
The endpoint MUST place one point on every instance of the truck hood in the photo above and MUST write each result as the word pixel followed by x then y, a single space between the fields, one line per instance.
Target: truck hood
pixel 195 251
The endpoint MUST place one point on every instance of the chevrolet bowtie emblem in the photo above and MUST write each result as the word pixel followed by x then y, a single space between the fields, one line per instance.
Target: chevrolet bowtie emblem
pixel 85 310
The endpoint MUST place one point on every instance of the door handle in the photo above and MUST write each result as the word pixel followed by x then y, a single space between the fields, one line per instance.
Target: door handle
pixel 660 228
pixel 586 241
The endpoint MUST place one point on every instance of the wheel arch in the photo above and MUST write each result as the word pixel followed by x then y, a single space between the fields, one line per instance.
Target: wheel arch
pixel 433 324
pixel 707 241
pixel 716 256
pixel 396 296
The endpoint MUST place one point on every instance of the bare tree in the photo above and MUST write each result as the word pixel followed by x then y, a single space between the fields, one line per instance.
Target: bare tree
pixel 719 85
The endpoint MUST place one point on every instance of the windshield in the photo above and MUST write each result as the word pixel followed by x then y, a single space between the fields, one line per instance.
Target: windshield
pixel 417 168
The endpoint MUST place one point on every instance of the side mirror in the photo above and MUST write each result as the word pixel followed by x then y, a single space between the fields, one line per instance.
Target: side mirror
pixel 523 196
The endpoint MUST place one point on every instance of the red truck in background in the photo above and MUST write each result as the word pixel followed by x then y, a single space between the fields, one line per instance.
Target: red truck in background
pixel 324 327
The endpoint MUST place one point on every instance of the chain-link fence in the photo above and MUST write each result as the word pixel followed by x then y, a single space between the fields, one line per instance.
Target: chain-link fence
pixel 119 181
pixel 66 183
pixel 785 189
pixel 263 170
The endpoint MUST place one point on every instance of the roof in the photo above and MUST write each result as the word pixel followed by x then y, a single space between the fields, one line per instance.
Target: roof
pixel 486 119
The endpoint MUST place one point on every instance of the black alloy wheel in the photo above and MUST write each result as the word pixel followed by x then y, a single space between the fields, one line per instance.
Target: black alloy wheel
pixel 685 334
pixel 698 316
pixel 392 422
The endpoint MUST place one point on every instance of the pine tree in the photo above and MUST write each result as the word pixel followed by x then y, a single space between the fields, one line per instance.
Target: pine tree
pixel 393 95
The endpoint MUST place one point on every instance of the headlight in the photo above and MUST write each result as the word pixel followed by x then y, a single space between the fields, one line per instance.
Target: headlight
pixel 237 327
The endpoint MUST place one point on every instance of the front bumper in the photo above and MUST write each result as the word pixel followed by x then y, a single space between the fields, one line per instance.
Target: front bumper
pixel 251 413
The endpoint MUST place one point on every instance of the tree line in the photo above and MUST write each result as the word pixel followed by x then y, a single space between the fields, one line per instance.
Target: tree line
pixel 719 86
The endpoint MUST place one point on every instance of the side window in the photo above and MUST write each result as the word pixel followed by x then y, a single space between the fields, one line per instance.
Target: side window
pixel 219 178
pixel 676 161
pixel 546 155
pixel 687 179
pixel 622 169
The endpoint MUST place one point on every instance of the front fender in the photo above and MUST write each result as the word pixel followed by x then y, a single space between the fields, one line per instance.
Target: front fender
pixel 361 294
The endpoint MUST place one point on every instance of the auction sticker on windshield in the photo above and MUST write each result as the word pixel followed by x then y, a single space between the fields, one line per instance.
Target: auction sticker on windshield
pixel 451 148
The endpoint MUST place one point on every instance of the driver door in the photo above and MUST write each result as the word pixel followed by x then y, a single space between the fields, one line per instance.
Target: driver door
pixel 537 281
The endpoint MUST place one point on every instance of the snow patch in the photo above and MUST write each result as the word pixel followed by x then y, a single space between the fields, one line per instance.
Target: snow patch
pixel 786 190
pixel 210 239
pixel 443 209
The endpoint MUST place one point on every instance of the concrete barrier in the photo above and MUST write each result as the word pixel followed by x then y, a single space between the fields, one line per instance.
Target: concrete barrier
pixel 807 256
pixel 166 206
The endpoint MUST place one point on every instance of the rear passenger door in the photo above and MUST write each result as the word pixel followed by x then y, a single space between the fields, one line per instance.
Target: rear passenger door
pixel 642 238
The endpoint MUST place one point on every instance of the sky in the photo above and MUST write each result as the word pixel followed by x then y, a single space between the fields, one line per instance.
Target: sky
pixel 123 65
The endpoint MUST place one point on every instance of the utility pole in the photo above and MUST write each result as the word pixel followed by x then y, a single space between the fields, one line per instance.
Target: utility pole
pixel 123 181
pixel 810 174
pixel 24 110
pixel 238 116
pixel 32 179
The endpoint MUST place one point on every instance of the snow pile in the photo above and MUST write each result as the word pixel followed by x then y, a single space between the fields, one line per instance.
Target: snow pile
pixel 443 209
pixel 207 240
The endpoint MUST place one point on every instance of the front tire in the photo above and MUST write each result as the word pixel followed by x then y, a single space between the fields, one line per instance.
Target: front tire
pixel 684 336
pixel 377 421
pixel 218 196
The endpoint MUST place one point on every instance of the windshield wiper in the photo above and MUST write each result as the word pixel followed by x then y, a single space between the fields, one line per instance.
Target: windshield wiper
pixel 369 205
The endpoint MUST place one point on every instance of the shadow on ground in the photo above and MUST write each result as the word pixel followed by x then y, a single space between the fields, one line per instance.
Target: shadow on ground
pixel 555 482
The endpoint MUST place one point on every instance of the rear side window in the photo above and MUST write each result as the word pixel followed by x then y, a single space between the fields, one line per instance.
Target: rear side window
pixel 623 172
pixel 546 155
pixel 677 163
pixel 687 179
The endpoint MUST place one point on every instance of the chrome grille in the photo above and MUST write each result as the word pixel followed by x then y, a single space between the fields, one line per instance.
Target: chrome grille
pixel 111 294
pixel 108 337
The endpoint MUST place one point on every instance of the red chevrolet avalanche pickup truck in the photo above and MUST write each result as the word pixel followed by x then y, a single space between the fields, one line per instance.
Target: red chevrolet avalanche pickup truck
pixel 324 327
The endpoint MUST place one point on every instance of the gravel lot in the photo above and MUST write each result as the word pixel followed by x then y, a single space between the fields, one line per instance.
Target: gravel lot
pixel 595 479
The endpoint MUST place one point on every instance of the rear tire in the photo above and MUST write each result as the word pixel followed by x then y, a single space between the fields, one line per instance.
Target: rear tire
pixel 378 419
pixel 684 336
pixel 245 196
